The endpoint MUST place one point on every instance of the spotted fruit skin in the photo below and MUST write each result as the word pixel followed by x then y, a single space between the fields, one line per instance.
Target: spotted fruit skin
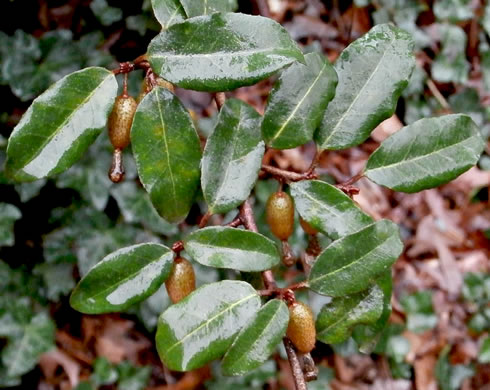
pixel 308 229
pixel 182 280
pixel 120 121
pixel 301 328
pixel 280 215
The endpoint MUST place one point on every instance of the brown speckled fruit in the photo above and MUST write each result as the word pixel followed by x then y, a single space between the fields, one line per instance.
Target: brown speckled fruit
pixel 280 214
pixel 301 328
pixel 307 227
pixel 120 121
pixel 181 281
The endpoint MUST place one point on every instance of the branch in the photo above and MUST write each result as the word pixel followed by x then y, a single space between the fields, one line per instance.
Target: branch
pixel 220 99
pixel 247 217
pixel 299 379
pixel 287 176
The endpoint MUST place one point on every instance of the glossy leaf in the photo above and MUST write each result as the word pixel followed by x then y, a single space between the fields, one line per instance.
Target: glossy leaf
pixel 22 354
pixel 298 101
pixel 232 158
pixel 167 153
pixel 336 319
pixel 168 12
pixel 328 209
pixel 202 326
pixel 372 72
pixel 8 215
pixel 221 52
pixel 353 263
pixel 206 7
pixel 122 279
pixel 61 124
pixel 367 336
pixel 428 153
pixel 226 247
pixel 258 339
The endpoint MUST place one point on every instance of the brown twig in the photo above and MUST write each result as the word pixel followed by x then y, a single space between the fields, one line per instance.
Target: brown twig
pixel 204 220
pixel 347 186
pixel 287 176
pixel 237 221
pixel 438 95
pixel 220 99
pixel 299 379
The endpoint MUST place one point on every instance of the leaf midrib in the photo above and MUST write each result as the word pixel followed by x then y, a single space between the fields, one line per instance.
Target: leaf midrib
pixel 67 119
pixel 342 118
pixel 293 113
pixel 206 323
pixel 312 281
pixel 435 152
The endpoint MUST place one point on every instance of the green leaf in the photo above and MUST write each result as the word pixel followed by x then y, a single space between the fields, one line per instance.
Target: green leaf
pixel 298 101
pixel 168 12
pixel 372 72
pixel 226 247
pixel 61 124
pixel 328 209
pixel 206 7
pixel 353 263
pixel 106 14
pixel 450 64
pixel 419 311
pixel 427 153
pixel 484 354
pixel 368 336
pixel 258 339
pixel 232 157
pixel 122 279
pixel 167 153
pixel 132 377
pixel 233 50
pixel 22 354
pixel 453 10
pixel 8 215
pixel 202 326
pixel 135 206
pixel 336 319
pixel 450 377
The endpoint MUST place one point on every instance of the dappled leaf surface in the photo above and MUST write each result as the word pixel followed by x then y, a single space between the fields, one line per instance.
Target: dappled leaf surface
pixel 233 50
pixel 197 8
pixel 298 101
pixel 258 339
pixel 167 153
pixel 372 72
pixel 22 353
pixel 328 209
pixel 168 12
pixel 336 319
pixel 202 326
pixel 61 124
pixel 352 263
pixel 123 278
pixel 232 157
pixel 226 247
pixel 426 154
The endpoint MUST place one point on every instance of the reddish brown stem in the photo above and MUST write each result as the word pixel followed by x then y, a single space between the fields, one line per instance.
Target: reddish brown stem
pixel 204 219
pixel 178 247
pixel 220 99
pixel 299 379
pixel 236 222
pixel 287 176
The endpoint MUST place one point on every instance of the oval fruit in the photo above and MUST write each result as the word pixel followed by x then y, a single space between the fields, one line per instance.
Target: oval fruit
pixel 120 121
pixel 280 215
pixel 182 280
pixel 301 328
